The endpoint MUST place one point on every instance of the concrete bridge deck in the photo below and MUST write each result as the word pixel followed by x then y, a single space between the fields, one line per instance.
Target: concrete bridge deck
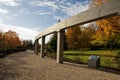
pixel 28 66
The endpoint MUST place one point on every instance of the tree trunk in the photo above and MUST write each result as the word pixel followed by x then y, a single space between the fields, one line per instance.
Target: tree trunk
pixel 110 47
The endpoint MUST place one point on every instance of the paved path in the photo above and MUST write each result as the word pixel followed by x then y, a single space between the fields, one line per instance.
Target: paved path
pixel 28 66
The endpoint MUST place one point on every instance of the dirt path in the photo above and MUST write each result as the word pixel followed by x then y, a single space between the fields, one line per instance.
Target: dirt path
pixel 28 66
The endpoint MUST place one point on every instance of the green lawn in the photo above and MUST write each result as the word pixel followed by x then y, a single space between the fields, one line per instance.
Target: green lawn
pixel 107 58
pixel 95 52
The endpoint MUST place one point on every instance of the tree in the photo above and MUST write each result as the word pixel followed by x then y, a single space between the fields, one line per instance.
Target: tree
pixel 108 29
pixel 52 44
pixel 11 39
pixel 86 34
pixel 29 44
pixel 73 38
pixel 1 41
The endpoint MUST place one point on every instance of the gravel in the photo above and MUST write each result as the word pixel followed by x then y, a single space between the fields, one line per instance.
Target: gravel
pixel 28 66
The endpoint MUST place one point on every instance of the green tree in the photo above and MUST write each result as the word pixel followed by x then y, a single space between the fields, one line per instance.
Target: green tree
pixel 29 44
pixel 52 44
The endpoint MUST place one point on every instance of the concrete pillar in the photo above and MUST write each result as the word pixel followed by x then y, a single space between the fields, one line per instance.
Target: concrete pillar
pixel 36 47
pixel 42 47
pixel 60 46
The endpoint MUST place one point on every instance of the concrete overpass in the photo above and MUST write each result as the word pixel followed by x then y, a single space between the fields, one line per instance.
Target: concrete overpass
pixel 106 10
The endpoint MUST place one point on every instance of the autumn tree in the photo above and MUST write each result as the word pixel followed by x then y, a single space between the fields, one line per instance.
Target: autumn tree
pixel 12 40
pixel 9 41
pixel 73 38
pixel 1 41
pixel 108 32
pixel 85 37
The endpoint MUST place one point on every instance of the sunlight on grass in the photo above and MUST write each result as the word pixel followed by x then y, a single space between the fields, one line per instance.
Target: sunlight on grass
pixel 97 52
pixel 107 58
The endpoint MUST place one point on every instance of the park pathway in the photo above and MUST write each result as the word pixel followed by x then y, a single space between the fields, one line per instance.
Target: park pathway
pixel 28 66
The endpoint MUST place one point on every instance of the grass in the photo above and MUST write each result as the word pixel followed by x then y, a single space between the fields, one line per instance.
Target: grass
pixel 107 58
pixel 95 52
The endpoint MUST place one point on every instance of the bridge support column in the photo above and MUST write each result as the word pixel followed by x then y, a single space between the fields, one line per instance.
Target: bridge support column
pixel 60 46
pixel 36 47
pixel 42 47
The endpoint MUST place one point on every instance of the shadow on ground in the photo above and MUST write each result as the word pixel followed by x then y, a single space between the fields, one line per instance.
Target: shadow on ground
pixel 99 68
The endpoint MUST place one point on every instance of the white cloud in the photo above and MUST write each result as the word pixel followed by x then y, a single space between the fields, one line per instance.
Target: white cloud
pixel 14 15
pixel 24 11
pixel 3 11
pixel 7 18
pixel 9 2
pixel 24 33
pixel 43 12
pixel 72 9
pixel 0 21
pixel 51 4
pixel 65 6
pixel 58 17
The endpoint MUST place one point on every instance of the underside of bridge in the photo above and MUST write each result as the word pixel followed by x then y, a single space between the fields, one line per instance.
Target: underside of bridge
pixel 106 10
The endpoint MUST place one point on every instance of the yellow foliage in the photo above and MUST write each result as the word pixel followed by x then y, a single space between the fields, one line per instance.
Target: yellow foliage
pixel 108 28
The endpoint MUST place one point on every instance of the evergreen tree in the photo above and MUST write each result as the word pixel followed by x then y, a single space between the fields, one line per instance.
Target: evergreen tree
pixel 52 44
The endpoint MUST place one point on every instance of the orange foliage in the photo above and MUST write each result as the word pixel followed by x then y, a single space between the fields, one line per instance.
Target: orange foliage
pixel 72 35
pixel 109 24
pixel 108 29
pixel 9 40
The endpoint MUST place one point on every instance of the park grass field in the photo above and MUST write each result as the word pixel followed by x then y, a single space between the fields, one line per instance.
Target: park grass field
pixel 93 52
pixel 107 58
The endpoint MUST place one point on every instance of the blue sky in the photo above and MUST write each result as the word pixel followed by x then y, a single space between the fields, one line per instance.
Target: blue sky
pixel 29 17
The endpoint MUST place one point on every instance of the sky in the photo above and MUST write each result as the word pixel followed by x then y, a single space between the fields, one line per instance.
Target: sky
pixel 30 17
